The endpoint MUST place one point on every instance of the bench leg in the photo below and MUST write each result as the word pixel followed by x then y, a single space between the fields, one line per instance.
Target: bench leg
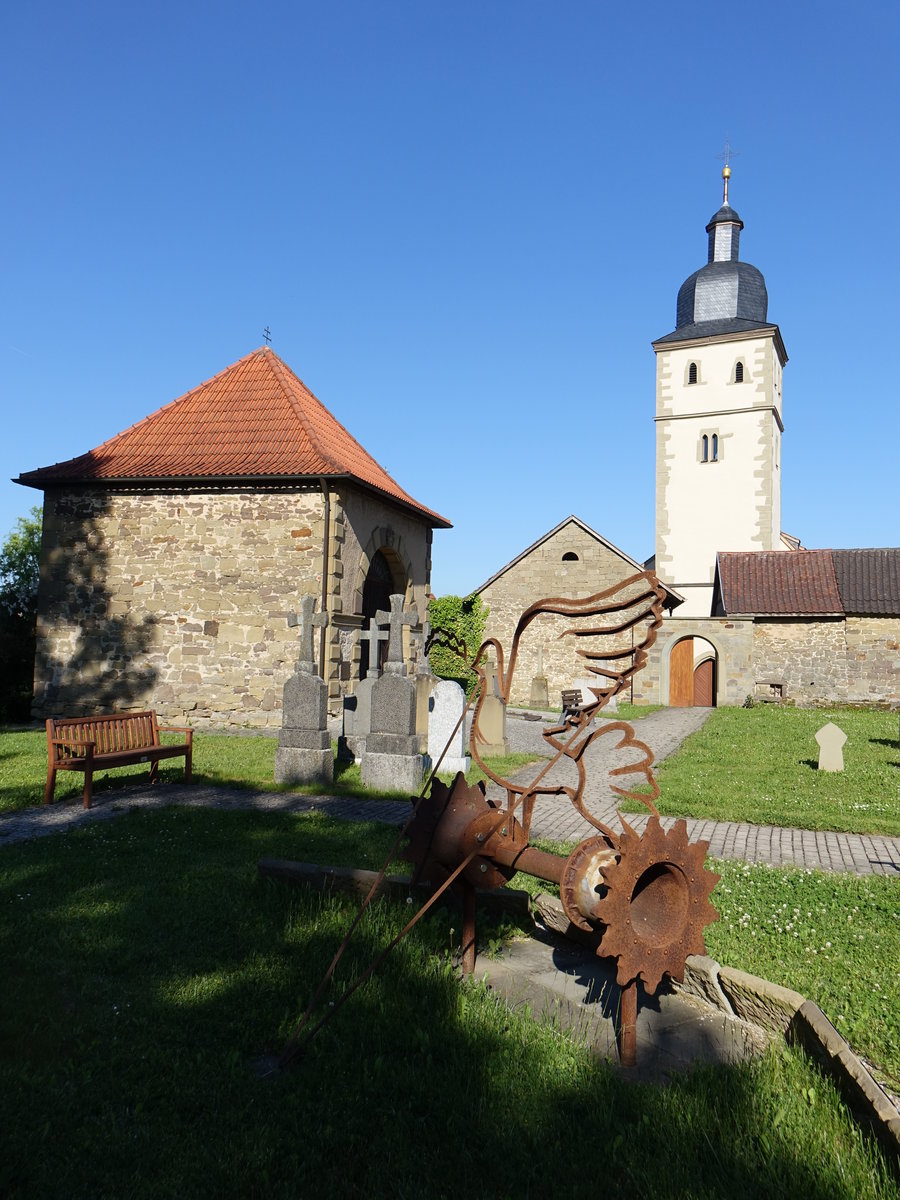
pixel 154 771
pixel 51 784
pixel 88 789
pixel 188 766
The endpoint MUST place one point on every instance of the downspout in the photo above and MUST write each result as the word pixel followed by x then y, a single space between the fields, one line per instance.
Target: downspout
pixel 325 539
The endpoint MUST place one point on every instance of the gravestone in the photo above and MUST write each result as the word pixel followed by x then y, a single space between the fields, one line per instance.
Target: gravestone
pixel 304 744
pixel 831 747
pixel 446 705
pixel 491 730
pixel 539 696
pixel 392 758
pixel 424 682
pixel 357 722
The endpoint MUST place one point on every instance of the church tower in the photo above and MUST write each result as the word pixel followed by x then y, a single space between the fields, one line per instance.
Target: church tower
pixel 718 419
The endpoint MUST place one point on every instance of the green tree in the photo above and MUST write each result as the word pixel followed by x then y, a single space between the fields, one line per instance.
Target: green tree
pixel 20 558
pixel 465 618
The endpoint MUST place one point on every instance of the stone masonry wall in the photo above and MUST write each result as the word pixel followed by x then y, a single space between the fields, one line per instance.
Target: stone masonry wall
pixel 179 601
pixel 853 660
pixel 542 573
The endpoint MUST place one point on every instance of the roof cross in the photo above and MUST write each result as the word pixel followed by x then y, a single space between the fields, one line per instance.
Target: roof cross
pixel 267 336
pixel 726 156
pixel 397 618
pixel 306 662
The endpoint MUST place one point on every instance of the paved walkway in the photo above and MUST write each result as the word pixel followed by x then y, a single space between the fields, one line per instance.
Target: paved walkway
pixel 554 817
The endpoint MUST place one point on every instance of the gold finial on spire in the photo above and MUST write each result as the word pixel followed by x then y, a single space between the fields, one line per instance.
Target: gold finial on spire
pixel 726 156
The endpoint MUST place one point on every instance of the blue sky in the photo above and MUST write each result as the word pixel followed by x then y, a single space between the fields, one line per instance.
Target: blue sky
pixel 474 215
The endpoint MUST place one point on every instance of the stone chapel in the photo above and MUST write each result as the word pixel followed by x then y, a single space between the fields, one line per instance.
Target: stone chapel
pixel 173 554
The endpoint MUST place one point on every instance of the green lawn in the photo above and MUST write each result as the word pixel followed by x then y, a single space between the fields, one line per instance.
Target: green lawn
pixel 760 765
pixel 147 969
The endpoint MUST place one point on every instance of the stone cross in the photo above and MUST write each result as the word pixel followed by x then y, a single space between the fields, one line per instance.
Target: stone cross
pixel 396 618
pixel 306 663
pixel 373 637
pixel 831 747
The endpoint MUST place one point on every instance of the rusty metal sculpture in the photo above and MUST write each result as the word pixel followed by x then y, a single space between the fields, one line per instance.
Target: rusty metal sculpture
pixel 646 895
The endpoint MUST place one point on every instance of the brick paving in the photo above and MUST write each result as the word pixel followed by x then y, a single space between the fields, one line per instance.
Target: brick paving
pixel 554 817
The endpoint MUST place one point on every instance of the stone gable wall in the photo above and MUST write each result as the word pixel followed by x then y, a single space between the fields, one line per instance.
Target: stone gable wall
pixel 542 573
pixel 179 601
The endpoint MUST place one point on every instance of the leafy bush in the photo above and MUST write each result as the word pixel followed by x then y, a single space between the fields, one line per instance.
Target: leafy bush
pixel 464 619
pixel 20 558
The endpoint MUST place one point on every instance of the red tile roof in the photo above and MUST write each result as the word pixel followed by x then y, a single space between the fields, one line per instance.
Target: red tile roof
pixel 253 420
pixel 778 583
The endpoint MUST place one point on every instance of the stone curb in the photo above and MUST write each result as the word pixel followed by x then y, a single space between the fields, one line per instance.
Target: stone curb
pixel 782 1012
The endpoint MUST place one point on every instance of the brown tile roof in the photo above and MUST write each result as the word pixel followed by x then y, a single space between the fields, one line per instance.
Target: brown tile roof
pixel 778 583
pixel 254 420
pixel 869 580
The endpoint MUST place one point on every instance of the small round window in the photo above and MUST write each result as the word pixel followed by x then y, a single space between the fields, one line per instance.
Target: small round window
pixel 570 556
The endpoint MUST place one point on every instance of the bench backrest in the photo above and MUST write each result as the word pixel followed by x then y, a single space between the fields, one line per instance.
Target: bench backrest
pixel 112 734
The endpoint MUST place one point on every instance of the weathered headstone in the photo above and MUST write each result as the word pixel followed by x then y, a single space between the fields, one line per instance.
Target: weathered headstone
pixel 396 618
pixel 304 744
pixel 392 758
pixel 831 747
pixel 357 722
pixel 424 682
pixel 446 704
pixel 491 731
pixel 540 688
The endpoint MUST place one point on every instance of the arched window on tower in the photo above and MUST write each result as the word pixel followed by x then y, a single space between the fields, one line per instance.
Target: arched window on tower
pixel 704 449
pixel 570 556
pixel 692 373
pixel 738 372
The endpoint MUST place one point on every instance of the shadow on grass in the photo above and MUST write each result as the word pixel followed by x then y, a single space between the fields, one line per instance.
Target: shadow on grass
pixel 149 967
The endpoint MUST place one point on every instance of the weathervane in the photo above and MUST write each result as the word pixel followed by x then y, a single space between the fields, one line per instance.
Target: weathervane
pixel 726 156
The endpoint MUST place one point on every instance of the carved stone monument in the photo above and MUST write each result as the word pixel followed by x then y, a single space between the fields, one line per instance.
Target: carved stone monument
pixel 358 707
pixel 491 731
pixel 447 703
pixel 424 682
pixel 831 740
pixel 304 744
pixel 540 688
pixel 392 758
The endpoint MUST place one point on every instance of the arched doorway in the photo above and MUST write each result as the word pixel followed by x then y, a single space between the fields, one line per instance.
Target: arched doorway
pixel 379 584
pixel 693 673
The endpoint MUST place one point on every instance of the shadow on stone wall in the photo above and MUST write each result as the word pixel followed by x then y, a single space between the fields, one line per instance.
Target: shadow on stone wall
pixel 92 646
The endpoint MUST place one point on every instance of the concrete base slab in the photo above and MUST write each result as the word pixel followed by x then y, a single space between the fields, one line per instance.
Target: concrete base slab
pixel 572 987
pixel 293 765
pixel 394 772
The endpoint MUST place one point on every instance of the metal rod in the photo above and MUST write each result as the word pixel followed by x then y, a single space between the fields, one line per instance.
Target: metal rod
pixel 628 1025
pixel 531 861
pixel 468 932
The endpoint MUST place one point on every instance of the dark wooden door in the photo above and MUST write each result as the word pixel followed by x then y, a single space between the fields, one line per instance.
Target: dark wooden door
pixel 705 684
pixel 681 674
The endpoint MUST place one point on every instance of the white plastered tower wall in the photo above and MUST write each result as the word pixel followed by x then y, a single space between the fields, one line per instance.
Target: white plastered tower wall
pixel 718 420
pixel 718 457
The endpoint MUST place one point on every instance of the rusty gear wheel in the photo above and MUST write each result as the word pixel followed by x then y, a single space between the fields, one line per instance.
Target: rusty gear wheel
pixel 656 904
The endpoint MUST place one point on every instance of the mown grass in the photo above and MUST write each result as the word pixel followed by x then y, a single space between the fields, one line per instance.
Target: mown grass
pixel 218 759
pixel 148 969
pixel 761 765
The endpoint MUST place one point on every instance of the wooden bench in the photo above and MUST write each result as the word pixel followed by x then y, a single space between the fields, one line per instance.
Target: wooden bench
pixel 92 744
pixel 571 702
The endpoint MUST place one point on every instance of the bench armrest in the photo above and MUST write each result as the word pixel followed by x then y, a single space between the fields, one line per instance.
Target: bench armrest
pixel 72 742
pixel 177 729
